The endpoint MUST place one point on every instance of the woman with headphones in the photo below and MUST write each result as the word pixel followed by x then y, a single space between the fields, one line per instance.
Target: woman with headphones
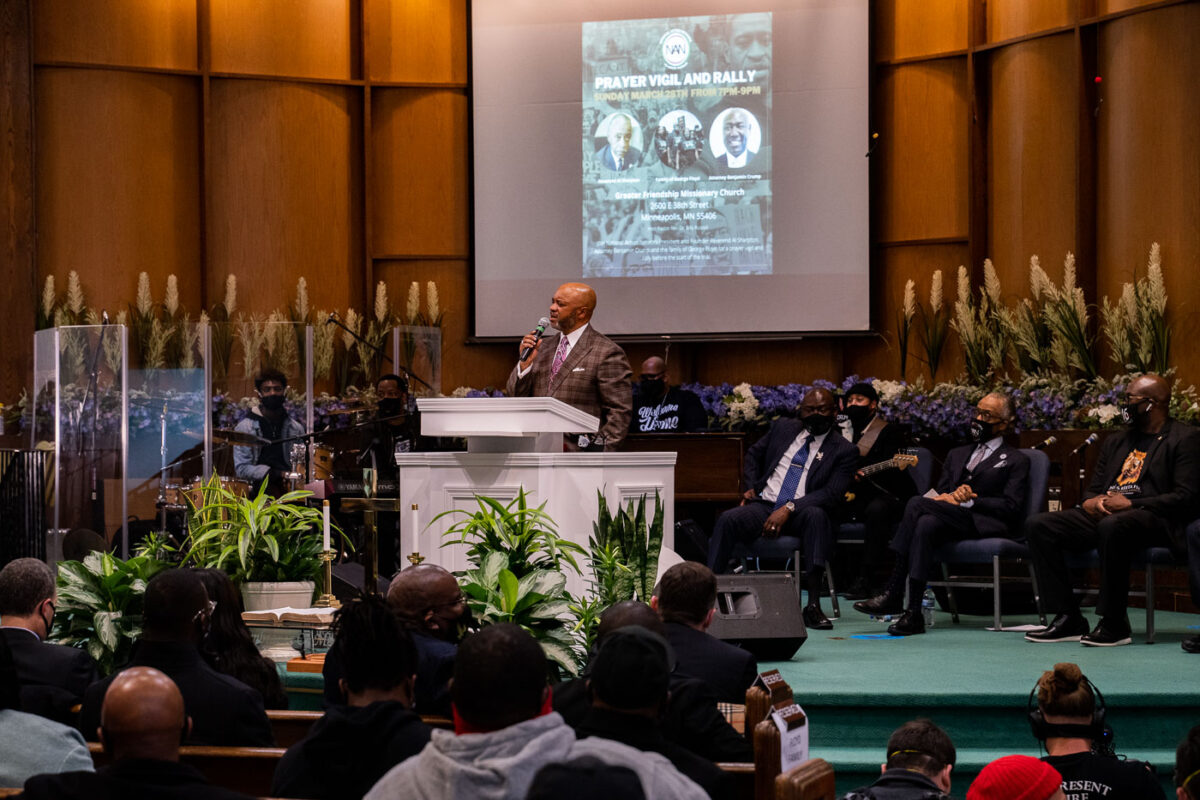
pixel 1069 718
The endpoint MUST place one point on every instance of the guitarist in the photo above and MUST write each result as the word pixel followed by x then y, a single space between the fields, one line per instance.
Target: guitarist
pixel 878 498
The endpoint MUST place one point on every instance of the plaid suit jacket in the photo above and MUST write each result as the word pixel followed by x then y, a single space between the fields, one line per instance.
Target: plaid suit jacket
pixel 595 378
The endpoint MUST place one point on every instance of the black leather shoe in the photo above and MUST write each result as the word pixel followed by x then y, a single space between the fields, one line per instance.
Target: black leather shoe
pixel 1064 628
pixel 882 604
pixel 1108 633
pixel 1191 645
pixel 815 618
pixel 910 623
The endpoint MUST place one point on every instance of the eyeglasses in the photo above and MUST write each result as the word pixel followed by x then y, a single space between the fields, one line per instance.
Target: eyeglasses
pixel 457 601
pixel 987 416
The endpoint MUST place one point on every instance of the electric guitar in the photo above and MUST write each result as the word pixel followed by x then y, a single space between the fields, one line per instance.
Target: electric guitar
pixel 905 457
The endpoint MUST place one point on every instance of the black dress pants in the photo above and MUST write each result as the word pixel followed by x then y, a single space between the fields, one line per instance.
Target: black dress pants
pixel 926 524
pixel 811 524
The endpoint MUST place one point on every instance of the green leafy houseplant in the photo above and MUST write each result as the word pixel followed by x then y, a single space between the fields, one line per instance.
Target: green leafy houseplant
pixel 625 549
pixel 100 601
pixel 257 538
pixel 519 564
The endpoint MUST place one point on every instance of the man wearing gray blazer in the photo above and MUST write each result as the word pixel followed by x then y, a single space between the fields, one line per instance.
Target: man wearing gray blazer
pixel 578 366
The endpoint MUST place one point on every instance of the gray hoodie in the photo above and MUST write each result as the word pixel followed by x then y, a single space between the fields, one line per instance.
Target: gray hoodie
pixel 500 765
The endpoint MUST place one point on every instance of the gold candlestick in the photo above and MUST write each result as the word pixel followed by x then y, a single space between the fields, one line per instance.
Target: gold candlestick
pixel 327 598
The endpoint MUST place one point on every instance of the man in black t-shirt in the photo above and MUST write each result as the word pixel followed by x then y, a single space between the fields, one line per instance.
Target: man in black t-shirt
pixel 1144 490
pixel 661 408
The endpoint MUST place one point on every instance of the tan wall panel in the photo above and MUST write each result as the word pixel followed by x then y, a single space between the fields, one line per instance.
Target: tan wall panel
pixel 923 147
pixel 477 366
pixel 1113 6
pixel 419 172
pixel 135 33
pixel 308 39
pixel 419 42
pixel 117 171
pixel 1149 163
pixel 908 28
pixel 285 198
pixel 1008 19
pixel 1032 160
pixel 770 362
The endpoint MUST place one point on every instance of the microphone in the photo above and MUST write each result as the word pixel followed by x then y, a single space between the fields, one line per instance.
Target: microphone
pixel 104 317
pixel 543 323
pixel 1049 440
pixel 333 317
pixel 874 142
pixel 1089 441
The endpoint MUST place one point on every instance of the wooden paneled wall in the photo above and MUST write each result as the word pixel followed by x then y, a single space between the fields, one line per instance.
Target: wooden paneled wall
pixel 329 139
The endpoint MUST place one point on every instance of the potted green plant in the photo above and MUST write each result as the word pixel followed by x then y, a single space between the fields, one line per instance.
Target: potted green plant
pixel 269 546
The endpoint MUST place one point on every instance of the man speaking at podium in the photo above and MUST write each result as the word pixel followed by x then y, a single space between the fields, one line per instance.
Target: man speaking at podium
pixel 579 366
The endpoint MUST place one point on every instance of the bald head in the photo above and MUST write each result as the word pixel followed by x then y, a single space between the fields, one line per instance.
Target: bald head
pixel 1154 387
pixel 142 716
pixel 1148 401
pixel 654 366
pixel 572 306
pixel 427 597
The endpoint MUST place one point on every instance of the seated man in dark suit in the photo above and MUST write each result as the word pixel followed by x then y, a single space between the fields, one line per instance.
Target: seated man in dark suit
pixel 53 677
pixel 142 723
pixel 980 494
pixel 1144 491
pixel 878 498
pixel 797 475
pixel 686 600
pixel 430 606
pixel 223 710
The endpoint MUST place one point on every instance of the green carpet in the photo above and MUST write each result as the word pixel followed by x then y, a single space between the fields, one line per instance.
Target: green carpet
pixel 975 683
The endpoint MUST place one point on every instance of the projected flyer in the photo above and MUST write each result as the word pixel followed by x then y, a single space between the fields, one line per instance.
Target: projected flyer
pixel 677 146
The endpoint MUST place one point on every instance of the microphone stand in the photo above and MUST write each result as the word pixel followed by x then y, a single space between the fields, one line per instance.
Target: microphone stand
pixel 408 372
pixel 93 389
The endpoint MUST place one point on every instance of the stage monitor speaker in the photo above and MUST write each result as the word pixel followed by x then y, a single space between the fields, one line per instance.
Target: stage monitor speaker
pixel 761 613
pixel 348 581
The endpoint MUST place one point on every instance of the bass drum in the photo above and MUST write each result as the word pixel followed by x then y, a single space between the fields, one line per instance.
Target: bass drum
pixel 195 489
pixel 323 458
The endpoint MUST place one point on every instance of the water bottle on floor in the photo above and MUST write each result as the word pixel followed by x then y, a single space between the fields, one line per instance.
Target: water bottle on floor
pixel 928 604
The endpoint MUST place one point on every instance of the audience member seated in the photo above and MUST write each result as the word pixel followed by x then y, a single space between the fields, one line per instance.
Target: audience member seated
pixel 686 600
pixel 628 685
pixel 229 648
pixel 1017 778
pixel 505 732
pixel 585 779
pixel 427 601
pixel 32 744
pixel 350 748
pixel 692 719
pixel 920 757
pixel 796 477
pixel 878 499
pixel 1079 742
pixel 981 494
pixel 223 710
pixel 659 407
pixel 1187 766
pixel 142 723
pixel 1143 493
pixel 53 677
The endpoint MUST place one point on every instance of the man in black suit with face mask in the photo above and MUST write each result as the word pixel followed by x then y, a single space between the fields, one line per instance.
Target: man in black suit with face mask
pixel 980 494
pixel 1144 491
pixel 796 475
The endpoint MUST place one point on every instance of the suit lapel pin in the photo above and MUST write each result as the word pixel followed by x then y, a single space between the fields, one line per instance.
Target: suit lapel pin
pixel 1003 456
pixel 820 455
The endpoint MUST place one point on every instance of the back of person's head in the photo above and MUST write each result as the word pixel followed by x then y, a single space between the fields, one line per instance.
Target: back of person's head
pixel 374 649
pixel 24 584
pixel 143 716
pixel 10 682
pixel 686 593
pixel 176 606
pixel 1187 764
pixel 626 613
pixel 920 746
pixel 1016 778
pixel 499 678
pixel 1064 693
pixel 586 778
pixel 631 672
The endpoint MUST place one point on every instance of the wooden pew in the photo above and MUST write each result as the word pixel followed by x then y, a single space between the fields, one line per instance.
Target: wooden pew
pixel 812 780
pixel 290 727
pixel 244 769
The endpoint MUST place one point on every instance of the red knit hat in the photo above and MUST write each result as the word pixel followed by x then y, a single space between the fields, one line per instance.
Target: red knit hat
pixel 1015 778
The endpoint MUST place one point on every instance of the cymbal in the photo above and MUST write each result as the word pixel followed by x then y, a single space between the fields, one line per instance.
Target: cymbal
pixel 227 436
pixel 354 410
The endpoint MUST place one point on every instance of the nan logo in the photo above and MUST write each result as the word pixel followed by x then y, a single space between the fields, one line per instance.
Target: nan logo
pixel 676 45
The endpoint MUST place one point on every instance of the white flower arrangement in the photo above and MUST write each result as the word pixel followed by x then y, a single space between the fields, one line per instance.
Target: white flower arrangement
pixel 1104 413
pixel 742 404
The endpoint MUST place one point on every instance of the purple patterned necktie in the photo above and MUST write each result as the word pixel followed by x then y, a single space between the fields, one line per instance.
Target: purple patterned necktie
pixel 560 355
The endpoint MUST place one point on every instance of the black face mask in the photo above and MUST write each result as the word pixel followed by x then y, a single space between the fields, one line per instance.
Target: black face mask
pixel 859 416
pixel 1132 415
pixel 652 387
pixel 817 424
pixel 982 431
pixel 391 406
pixel 272 402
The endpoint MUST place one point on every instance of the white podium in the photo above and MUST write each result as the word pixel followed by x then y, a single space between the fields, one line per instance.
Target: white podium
pixel 516 442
